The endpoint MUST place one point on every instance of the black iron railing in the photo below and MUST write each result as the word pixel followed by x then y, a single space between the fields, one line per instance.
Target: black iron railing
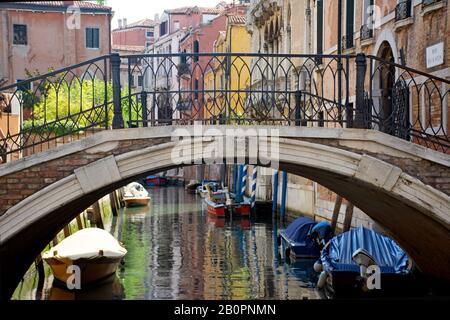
pixel 403 10
pixel 350 91
pixel 430 2
pixel 408 103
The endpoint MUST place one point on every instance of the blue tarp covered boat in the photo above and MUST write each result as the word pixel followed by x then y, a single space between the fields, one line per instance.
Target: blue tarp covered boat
pixel 295 240
pixel 342 272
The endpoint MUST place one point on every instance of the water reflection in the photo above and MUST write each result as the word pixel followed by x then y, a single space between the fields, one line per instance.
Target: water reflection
pixel 111 289
pixel 177 251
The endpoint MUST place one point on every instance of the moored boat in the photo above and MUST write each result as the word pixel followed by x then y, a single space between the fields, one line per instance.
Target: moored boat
pixel 156 181
pixel 346 259
pixel 217 209
pixel 95 251
pixel 295 240
pixel 192 186
pixel 202 189
pixel 135 195
pixel 221 202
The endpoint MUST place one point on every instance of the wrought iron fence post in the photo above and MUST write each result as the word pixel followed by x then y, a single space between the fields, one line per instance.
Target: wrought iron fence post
pixel 152 112
pixel 360 111
pixel 298 108
pixel 115 72
pixel 144 109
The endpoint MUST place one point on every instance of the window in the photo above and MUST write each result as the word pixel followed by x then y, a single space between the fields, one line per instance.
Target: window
pixel 319 26
pixel 140 81
pixel 132 81
pixel 368 13
pixel 349 24
pixel 92 38
pixel 163 28
pixel 20 34
pixel 150 34
pixel 196 49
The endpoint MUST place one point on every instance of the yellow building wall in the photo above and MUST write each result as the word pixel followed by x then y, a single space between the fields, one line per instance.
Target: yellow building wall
pixel 237 40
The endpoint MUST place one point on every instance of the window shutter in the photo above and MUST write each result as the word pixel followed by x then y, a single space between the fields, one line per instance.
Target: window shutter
pixel 96 40
pixel 319 26
pixel 88 38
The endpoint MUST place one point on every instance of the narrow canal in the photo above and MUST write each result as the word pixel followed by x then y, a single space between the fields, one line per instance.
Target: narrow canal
pixel 177 251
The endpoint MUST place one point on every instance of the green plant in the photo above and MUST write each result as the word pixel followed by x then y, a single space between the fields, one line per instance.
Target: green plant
pixel 67 108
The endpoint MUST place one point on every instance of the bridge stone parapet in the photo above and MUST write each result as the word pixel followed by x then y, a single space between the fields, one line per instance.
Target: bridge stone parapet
pixel 400 185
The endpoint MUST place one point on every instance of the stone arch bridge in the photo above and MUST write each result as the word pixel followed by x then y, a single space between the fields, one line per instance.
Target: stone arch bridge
pixel 402 186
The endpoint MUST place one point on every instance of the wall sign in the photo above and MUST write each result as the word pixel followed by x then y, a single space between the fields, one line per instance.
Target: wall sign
pixel 435 55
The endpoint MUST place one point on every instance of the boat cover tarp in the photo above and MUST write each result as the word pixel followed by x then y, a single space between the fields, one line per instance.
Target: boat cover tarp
pixel 386 252
pixel 136 190
pixel 298 230
pixel 87 244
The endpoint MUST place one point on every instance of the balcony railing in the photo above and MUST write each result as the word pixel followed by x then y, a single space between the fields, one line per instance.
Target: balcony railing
pixel 277 89
pixel 366 32
pixel 430 2
pixel 403 10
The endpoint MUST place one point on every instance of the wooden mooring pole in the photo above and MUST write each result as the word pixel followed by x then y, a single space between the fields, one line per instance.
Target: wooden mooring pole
pixel 79 222
pixel 337 209
pixel 66 231
pixel 113 202
pixel 97 215
pixel 348 217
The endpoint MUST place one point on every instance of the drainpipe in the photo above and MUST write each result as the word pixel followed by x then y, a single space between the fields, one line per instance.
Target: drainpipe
pixel 283 195
pixel 110 16
pixel 275 193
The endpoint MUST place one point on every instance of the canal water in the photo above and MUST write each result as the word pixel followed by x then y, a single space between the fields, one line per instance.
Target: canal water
pixel 177 251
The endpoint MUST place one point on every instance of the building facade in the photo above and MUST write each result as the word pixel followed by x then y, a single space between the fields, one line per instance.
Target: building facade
pixel 137 34
pixel 198 40
pixel 41 36
pixel 227 77
pixel 162 76
pixel 76 31
pixel 404 32
pixel 132 39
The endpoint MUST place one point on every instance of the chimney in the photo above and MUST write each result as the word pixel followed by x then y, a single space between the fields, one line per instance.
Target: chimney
pixel 124 22
pixel 156 17
pixel 120 23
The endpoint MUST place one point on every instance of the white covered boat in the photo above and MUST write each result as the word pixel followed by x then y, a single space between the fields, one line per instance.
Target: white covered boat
pixel 95 251
pixel 135 195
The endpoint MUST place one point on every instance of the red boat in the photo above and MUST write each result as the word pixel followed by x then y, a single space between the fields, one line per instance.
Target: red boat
pixel 214 208
pixel 242 209
pixel 156 181
pixel 219 204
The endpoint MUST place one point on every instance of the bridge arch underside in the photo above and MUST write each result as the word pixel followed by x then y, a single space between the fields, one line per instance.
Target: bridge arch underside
pixel 414 214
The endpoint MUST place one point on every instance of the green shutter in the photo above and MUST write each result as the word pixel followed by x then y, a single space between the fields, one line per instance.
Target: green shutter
pixel 88 37
pixel 96 40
